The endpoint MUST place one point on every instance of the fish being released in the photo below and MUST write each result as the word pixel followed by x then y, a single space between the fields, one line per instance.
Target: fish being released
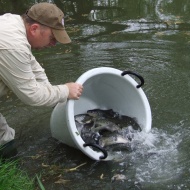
pixel 103 125
pixel 106 127
pixel 83 118
pixel 98 113
pixel 112 140
pixel 83 121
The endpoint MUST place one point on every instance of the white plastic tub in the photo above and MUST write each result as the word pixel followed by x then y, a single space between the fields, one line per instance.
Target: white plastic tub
pixel 104 88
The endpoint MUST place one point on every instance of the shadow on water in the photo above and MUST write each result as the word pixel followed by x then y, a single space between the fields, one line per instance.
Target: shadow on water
pixel 149 37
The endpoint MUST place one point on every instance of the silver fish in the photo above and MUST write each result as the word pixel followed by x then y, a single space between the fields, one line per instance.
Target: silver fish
pixel 106 128
pixel 99 113
pixel 112 140
pixel 83 123
pixel 103 125
pixel 125 121
pixel 90 137
pixel 115 117
pixel 83 118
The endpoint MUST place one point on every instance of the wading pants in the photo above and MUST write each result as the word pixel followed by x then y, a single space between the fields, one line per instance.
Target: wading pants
pixel 6 133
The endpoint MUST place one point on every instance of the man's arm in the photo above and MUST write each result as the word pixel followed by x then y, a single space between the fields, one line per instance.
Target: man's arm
pixel 16 71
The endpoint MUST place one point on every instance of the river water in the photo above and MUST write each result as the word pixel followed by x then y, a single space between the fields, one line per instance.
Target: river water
pixel 149 37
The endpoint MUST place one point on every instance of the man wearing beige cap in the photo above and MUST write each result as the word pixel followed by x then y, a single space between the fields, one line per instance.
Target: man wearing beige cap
pixel 41 26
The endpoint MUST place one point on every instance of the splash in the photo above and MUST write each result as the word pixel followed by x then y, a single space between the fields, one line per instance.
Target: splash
pixel 155 156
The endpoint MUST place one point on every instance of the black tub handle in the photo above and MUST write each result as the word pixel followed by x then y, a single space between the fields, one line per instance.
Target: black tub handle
pixel 137 75
pixel 99 148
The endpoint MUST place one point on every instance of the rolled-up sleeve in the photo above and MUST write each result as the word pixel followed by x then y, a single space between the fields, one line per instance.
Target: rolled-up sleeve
pixel 26 78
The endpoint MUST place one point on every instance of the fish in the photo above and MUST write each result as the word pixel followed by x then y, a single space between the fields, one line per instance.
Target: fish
pixel 115 117
pixel 103 125
pixel 128 121
pixel 112 140
pixel 102 113
pixel 91 137
pixel 84 124
pixel 106 128
pixel 83 121
pixel 83 118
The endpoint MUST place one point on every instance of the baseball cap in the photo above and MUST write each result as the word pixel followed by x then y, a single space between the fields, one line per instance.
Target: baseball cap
pixel 50 15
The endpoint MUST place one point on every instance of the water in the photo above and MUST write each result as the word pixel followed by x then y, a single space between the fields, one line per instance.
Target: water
pixel 149 37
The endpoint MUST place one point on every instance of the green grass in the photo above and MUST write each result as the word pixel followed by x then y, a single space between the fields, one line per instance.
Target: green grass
pixel 12 178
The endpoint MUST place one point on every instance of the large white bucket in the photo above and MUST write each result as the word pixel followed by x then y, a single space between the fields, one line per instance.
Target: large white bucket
pixel 104 88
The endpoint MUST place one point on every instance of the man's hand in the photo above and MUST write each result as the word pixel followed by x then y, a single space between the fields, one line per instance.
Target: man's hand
pixel 75 90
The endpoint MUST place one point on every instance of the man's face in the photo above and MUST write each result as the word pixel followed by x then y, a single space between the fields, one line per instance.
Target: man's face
pixel 41 37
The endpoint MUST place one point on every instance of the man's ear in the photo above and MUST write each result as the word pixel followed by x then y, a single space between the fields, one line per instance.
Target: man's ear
pixel 34 29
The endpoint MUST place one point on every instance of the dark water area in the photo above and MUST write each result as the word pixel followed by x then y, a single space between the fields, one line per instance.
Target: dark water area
pixel 149 37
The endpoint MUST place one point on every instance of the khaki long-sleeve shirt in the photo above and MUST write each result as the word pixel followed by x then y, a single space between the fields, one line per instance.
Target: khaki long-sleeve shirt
pixel 19 70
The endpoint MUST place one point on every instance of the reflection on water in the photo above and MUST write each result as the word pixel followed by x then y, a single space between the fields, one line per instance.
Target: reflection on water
pixel 172 10
pixel 149 37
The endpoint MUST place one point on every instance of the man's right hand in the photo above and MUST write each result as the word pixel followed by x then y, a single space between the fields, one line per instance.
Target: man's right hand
pixel 75 90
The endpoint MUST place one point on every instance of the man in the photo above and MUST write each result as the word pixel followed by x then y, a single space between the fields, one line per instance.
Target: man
pixel 40 27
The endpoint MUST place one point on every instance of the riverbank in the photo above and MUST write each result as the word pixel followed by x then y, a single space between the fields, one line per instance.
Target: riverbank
pixel 13 178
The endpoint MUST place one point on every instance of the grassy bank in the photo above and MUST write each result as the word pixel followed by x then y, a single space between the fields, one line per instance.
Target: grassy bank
pixel 12 178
